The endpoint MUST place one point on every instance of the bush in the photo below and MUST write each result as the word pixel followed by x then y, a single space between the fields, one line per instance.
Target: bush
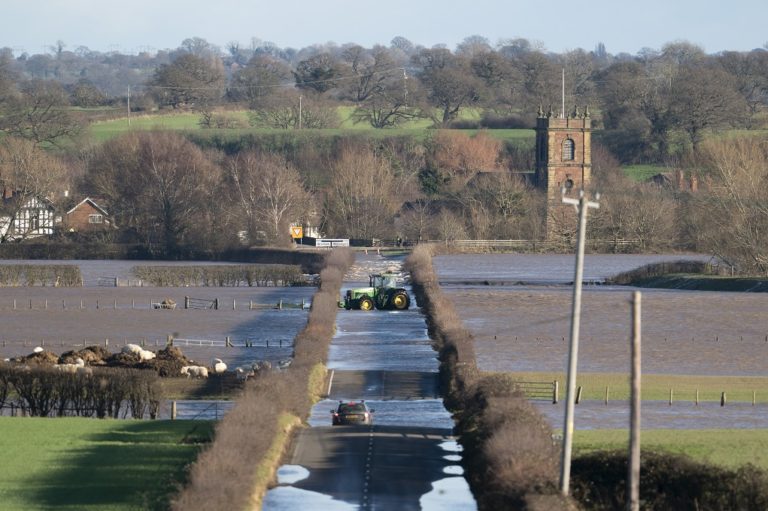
pixel 55 275
pixel 653 270
pixel 44 391
pixel 253 275
pixel 234 470
pixel 667 482
pixel 509 456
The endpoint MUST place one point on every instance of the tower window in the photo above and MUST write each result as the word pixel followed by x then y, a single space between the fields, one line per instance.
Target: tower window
pixel 568 149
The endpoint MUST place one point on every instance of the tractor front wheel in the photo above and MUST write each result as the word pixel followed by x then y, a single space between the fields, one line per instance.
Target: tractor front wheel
pixel 400 300
pixel 366 304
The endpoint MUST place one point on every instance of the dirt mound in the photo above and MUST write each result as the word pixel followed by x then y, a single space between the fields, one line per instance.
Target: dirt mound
pixel 41 358
pixel 123 360
pixel 168 362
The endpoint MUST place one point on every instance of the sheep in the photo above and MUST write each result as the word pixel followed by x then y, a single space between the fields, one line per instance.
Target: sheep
pixel 38 349
pixel 218 365
pixel 77 367
pixel 84 371
pixel 195 371
pixel 138 350
pixel 284 363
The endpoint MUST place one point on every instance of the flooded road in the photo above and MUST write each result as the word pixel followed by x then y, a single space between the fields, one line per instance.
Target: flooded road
pixel 408 460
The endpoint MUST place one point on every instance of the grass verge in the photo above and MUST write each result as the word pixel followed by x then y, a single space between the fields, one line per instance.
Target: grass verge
pixel 656 387
pixel 60 462
pixel 728 448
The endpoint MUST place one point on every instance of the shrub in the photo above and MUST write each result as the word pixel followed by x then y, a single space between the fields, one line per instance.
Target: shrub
pixel 252 275
pixel 58 275
pixel 667 482
pixel 234 470
pixel 509 456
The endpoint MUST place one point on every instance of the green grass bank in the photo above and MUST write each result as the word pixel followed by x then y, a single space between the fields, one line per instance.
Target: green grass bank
pixel 101 465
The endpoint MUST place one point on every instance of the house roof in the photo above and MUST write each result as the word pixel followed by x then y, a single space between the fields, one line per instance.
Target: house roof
pixel 92 203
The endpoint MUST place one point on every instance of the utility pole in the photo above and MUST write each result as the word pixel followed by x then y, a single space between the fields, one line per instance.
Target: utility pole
pixel 405 87
pixel 633 485
pixel 582 205
pixel 129 105
pixel 299 112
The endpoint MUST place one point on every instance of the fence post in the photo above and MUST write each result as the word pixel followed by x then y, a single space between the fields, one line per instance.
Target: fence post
pixel 234 304
pixel 280 304
pixel 671 395
pixel 229 342
pixel 754 397
pixel 578 395
pixel 169 340
pixel 97 304
pixel 216 304
pixel 723 399
pixel 173 410
pixel 606 395
pixel 46 304
pixel 106 342
pixel 555 392
pixel 697 397
pixel 186 302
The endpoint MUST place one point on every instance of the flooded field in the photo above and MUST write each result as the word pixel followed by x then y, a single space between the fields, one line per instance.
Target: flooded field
pixel 526 328
pixel 61 319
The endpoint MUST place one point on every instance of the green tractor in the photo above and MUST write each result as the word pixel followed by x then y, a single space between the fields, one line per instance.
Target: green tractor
pixel 383 293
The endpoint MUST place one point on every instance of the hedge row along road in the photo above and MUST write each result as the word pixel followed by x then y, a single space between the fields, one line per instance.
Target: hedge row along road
pixel 408 459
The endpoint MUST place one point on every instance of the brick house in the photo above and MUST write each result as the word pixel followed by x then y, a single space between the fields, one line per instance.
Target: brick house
pixel 87 216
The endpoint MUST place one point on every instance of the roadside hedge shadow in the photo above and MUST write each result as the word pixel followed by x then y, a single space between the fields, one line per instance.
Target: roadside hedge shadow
pixel 138 464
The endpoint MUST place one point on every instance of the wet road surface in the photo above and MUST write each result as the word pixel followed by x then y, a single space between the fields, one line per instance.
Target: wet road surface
pixel 408 460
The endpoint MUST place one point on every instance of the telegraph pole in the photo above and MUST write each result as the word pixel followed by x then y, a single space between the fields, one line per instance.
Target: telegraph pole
pixel 129 105
pixel 299 112
pixel 582 205
pixel 633 486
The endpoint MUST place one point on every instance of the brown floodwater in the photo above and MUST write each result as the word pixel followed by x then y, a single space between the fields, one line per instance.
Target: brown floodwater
pixel 526 328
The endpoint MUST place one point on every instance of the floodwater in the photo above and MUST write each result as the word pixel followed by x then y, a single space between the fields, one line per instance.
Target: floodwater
pixel 526 328
pixel 63 319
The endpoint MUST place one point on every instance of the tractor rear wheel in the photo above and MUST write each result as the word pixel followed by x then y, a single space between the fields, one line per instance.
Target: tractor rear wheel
pixel 366 304
pixel 400 300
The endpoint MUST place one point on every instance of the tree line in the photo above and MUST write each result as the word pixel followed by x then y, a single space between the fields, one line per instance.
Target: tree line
pixel 650 104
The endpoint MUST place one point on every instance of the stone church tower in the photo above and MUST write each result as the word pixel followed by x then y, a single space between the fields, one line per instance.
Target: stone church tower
pixel 563 160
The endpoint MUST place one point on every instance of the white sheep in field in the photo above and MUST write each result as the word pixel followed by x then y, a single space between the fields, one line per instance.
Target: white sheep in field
pixel 219 367
pixel 138 350
pixel 38 349
pixel 84 371
pixel 72 368
pixel 195 371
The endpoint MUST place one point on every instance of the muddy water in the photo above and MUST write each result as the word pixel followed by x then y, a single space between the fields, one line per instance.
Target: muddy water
pixel 526 328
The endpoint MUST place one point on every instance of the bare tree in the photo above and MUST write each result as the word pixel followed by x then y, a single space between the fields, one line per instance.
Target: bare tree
pixel 269 193
pixel 27 175
pixel 39 113
pixel 362 198
pixel 159 186
pixel 734 214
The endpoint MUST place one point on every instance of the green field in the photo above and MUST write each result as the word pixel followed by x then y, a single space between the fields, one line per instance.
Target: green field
pixel 729 448
pixel 656 387
pixel 642 173
pixel 189 121
pixel 90 464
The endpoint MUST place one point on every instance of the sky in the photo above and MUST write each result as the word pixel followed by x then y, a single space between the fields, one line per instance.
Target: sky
pixel 623 26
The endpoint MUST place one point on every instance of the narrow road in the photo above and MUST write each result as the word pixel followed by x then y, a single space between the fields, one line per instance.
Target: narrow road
pixel 408 460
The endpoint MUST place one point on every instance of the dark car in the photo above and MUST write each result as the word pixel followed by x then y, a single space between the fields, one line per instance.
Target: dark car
pixel 352 412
